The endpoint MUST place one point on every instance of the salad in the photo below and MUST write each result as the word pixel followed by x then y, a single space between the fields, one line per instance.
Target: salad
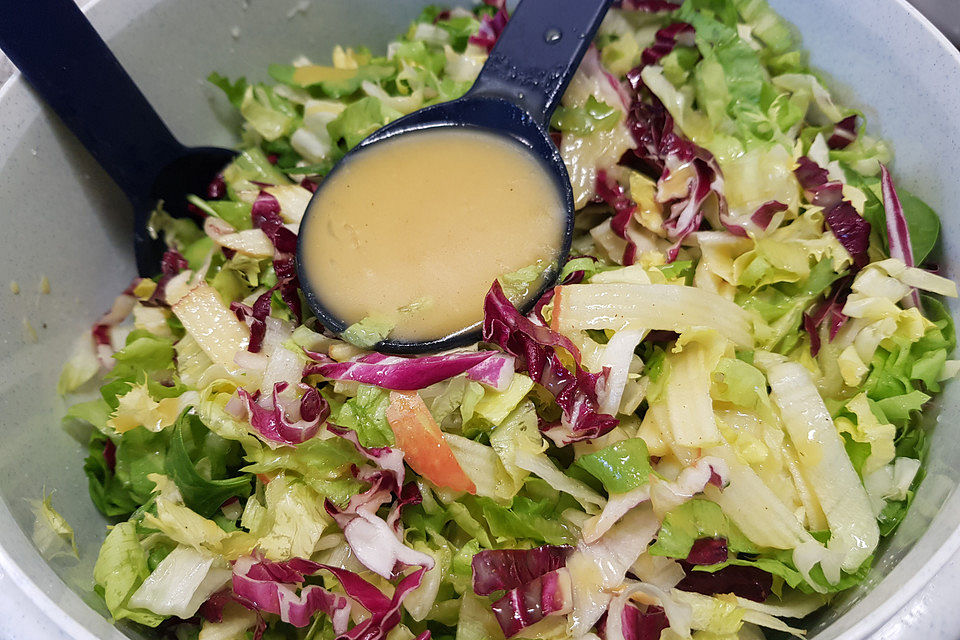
pixel 705 429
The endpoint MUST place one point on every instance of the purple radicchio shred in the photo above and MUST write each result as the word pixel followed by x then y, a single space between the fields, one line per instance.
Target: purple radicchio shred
pixel 289 422
pixel 844 132
pixel 217 188
pixel 648 6
pixel 526 605
pixel 747 582
pixel 611 192
pixel 850 229
pixel 574 277
pixel 764 214
pixel 407 374
pixel 267 587
pixel 708 551
pixel 898 232
pixel 499 569
pixel 662 151
pixel 536 349
pixel 491 26
pixel 666 39
pixel 255 317
pixel 265 215
pixel 830 311
pixel 637 624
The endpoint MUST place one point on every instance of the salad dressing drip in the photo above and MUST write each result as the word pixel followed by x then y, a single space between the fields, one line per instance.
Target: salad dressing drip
pixel 414 230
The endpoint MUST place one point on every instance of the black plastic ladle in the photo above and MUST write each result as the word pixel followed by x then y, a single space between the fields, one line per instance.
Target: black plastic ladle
pixel 515 94
pixel 70 66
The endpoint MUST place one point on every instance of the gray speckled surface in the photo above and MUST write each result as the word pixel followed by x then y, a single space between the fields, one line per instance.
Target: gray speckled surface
pixel 933 614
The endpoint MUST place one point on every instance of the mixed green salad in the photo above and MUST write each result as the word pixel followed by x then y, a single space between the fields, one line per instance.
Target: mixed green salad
pixel 704 430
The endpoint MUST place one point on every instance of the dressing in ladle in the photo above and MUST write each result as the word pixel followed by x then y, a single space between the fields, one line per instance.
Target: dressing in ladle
pixel 414 224
pixel 414 230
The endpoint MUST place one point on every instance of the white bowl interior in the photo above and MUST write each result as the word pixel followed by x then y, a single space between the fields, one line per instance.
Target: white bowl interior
pixel 65 220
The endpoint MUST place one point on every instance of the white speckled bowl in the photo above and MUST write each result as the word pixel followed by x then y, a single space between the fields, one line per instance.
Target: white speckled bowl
pixel 65 220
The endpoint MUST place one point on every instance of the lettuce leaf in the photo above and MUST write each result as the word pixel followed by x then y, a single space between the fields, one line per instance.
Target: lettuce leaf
pixel 120 570
pixel 621 467
pixel 693 520
pixel 203 495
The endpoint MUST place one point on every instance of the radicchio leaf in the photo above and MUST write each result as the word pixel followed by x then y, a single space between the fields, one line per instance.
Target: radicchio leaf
pixel 610 191
pixel 101 331
pixel 676 160
pixel 649 6
pixel 747 582
pixel 639 625
pixel 266 586
pixel 830 311
pixel 535 347
pixel 844 132
pixel 265 214
pixel 270 588
pixel 666 39
pixel 763 215
pixel 410 374
pixel 850 229
pixel 289 421
pixel 498 569
pixel 708 551
pixel 255 317
pixel 550 594
pixel 491 27
pixel 387 459
pixel 898 233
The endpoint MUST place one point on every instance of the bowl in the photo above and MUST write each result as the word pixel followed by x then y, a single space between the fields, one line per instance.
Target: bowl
pixel 65 221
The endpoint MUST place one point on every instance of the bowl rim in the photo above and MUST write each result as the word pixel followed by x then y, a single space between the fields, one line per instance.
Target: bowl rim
pixel 863 629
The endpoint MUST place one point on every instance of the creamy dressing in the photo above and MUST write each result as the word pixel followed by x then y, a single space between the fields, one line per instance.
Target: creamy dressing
pixel 414 230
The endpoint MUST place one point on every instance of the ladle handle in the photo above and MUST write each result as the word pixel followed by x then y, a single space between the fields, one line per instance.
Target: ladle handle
pixel 67 62
pixel 539 51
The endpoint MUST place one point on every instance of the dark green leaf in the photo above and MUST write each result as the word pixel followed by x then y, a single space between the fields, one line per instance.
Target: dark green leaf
pixel 203 495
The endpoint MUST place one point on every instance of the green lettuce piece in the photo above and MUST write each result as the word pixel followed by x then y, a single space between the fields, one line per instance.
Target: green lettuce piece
pixel 621 467
pixel 858 452
pixel 742 384
pixel 359 120
pixel 766 25
pixel 120 570
pixel 461 570
pixel 782 305
pixel 527 519
pixel 693 520
pixel 418 53
pixel 323 465
pixel 94 412
pixel 368 331
pixel 248 167
pixel 901 371
pixel 203 495
pixel 107 492
pixel 144 353
pixel 679 63
pixel 178 233
pixel 52 534
pixel 366 413
pixel 234 90
pixel 267 113
pixel 236 214
pixel 899 408
pixel 593 116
